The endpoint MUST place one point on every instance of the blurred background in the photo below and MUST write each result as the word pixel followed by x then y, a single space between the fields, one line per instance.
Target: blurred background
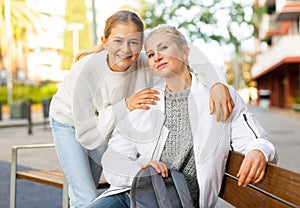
pixel 257 40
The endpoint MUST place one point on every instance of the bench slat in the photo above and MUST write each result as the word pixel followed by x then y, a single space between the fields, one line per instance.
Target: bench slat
pixel 278 182
pixel 247 197
pixel 49 177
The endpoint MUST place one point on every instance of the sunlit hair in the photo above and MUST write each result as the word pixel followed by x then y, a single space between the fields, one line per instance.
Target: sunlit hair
pixel 174 33
pixel 177 36
pixel 122 16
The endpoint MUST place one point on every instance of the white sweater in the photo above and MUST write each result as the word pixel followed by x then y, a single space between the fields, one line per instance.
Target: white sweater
pixel 91 87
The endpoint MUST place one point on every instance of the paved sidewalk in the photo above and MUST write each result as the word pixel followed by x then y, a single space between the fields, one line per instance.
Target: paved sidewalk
pixel 283 128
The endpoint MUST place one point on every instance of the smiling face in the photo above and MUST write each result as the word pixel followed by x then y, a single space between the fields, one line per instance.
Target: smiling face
pixel 166 56
pixel 123 46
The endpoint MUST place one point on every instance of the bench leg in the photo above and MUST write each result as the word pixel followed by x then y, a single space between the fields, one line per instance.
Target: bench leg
pixel 13 173
pixel 65 197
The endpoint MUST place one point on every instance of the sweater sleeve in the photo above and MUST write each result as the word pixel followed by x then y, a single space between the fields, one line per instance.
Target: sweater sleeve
pixel 93 123
pixel 94 128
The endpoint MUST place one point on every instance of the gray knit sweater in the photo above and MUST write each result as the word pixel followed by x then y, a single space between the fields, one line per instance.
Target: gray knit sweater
pixel 178 151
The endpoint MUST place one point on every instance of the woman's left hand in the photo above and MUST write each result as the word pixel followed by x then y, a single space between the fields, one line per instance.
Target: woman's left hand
pixel 252 169
pixel 221 102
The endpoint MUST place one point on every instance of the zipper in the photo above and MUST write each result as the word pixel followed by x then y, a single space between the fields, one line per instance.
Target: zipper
pixel 231 147
pixel 246 120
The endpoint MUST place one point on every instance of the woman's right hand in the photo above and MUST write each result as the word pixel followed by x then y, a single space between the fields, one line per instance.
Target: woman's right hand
pixel 141 98
pixel 159 167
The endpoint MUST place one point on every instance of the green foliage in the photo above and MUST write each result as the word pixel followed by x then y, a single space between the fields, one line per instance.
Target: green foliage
pixel 222 21
pixel 23 92
pixel 76 13
pixel 258 12
pixel 297 100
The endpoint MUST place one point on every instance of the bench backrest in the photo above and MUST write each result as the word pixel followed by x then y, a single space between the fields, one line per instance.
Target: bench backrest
pixel 279 188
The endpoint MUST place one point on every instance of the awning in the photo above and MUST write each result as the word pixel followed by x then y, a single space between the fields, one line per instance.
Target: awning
pixel 289 12
pixel 286 60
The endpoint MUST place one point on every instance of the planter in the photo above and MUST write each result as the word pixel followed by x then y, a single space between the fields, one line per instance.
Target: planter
pixel 0 111
pixel 296 107
pixel 18 110
pixel 46 105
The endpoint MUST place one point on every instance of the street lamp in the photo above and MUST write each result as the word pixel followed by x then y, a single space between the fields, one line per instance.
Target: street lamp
pixel 75 28
pixel 8 58
pixel 94 23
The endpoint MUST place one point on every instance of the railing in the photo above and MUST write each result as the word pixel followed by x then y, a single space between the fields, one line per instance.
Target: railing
pixel 287 46
pixel 281 4
pixel 292 1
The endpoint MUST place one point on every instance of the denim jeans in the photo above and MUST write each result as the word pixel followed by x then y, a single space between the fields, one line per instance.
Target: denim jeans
pixel 82 172
pixel 120 200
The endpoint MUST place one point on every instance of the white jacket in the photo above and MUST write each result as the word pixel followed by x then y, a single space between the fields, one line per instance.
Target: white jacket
pixel 141 135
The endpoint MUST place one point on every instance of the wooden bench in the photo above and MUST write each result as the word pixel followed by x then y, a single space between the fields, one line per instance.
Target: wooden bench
pixel 279 188
pixel 49 177
pixel 53 178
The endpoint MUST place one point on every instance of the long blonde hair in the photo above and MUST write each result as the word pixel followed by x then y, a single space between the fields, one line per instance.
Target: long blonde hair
pixel 115 19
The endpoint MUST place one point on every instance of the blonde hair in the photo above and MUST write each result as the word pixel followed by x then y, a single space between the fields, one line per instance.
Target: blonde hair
pixel 83 53
pixel 177 36
pixel 115 19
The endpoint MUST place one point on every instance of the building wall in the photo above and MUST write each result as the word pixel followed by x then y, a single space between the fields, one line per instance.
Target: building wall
pixel 283 83
pixel 277 65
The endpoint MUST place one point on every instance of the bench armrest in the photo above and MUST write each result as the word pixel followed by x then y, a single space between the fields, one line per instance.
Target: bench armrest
pixel 13 167
pixel 14 153
pixel 33 146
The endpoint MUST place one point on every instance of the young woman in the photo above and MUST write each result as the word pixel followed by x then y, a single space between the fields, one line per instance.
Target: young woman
pixel 91 100
pixel 179 133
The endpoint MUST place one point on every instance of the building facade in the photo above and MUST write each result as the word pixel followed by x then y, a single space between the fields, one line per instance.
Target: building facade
pixel 277 63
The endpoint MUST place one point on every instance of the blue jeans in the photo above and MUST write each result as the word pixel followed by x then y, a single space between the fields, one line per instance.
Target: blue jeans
pixel 82 172
pixel 120 200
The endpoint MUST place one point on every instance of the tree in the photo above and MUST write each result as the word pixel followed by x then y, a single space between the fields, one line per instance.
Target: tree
pixel 227 22
pixel 22 23
pixel 76 13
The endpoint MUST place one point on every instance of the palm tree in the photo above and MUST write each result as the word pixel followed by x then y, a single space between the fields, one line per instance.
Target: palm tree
pixel 22 23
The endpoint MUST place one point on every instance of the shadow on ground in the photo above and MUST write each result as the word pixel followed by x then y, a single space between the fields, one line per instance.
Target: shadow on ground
pixel 29 194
